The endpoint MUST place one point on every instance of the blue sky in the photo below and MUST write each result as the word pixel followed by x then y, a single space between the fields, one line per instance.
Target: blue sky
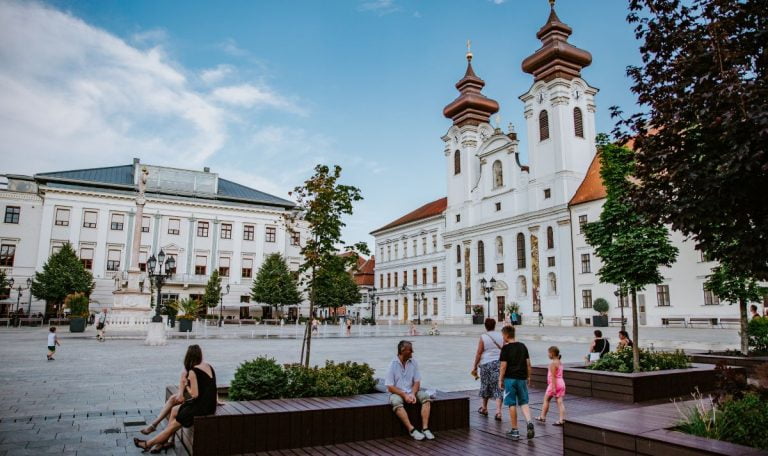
pixel 262 91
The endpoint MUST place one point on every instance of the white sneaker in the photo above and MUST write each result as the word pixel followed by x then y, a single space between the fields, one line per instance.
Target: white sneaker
pixel 417 435
pixel 428 434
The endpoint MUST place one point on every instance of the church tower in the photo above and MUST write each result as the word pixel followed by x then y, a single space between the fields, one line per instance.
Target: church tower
pixel 560 116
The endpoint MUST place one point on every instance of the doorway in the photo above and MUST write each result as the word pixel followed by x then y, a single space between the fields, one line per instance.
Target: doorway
pixel 500 304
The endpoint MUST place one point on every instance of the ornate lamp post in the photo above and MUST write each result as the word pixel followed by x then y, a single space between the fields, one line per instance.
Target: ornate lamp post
pixel 620 295
pixel 164 267
pixel 221 306
pixel 404 291
pixel 419 299
pixel 487 288
pixel 372 300
pixel 19 289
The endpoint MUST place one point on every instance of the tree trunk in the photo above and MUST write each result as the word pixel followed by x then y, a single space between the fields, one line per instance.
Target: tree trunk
pixel 744 327
pixel 635 337
pixel 308 334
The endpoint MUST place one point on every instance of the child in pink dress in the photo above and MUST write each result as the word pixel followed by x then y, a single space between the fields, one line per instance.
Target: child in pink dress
pixel 555 387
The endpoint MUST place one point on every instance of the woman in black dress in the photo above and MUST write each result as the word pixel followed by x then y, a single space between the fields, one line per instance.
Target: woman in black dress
pixel 201 388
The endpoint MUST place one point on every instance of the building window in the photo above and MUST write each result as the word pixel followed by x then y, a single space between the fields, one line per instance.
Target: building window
pixel 550 238
pixel 586 299
pixel 405 278
pixel 113 260
pixel 586 264
pixel 7 254
pixel 118 220
pixel 86 258
pixel 389 280
pixel 248 232
pixel 543 125
pixel 578 123
pixel 547 193
pixel 520 251
pixel 423 246
pixel 498 206
pixel 434 274
pixel 12 214
pixel 662 295
pixel 434 306
pixel 174 226
pixel 271 234
pixel 145 224
pixel 405 249
pixel 226 231
pixel 458 273
pixel 582 222
pixel 424 276
pixel 295 238
pixel 498 176
pixel 247 268
pixel 396 307
pixel 142 261
pixel 552 279
pixel 480 257
pixel 381 280
pixel 201 263
pixel 415 247
pixel 458 218
pixel 175 263
pixel 415 277
pixel 522 286
pixel 245 299
pixel 499 268
pixel 381 309
pixel 224 267
pixel 89 219
pixel 202 229
pixel 62 217
pixel 389 253
pixel 458 253
pixel 551 262
pixel 396 278
pixel 457 162
pixel 710 299
pixel 434 243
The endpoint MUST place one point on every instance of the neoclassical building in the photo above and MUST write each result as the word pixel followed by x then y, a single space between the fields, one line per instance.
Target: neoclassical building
pixel 204 221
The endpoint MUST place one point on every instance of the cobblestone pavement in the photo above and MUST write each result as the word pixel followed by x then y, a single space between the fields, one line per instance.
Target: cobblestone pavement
pixel 96 396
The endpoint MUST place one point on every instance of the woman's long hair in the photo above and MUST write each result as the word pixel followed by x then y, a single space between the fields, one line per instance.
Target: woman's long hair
pixel 193 357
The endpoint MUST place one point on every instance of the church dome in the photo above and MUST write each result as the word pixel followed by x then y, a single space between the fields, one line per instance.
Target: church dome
pixel 471 107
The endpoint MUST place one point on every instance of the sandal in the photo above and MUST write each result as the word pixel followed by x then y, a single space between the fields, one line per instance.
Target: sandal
pixel 483 411
pixel 141 444
pixel 149 429
pixel 559 423
pixel 541 419
pixel 497 417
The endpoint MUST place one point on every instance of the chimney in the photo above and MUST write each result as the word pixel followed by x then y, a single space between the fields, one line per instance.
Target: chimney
pixel 136 161
pixel 207 169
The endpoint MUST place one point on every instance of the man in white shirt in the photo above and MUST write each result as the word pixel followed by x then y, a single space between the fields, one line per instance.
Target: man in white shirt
pixel 101 323
pixel 403 382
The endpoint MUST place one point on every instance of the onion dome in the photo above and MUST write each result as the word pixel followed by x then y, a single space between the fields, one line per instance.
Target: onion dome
pixel 556 58
pixel 471 107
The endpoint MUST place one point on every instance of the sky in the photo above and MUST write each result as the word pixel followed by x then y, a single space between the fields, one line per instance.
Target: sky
pixel 262 91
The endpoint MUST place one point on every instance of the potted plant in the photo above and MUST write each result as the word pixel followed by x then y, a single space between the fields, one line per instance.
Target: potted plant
pixel 190 310
pixel 600 306
pixel 478 316
pixel 77 303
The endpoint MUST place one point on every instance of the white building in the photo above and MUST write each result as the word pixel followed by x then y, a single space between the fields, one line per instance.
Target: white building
pixel 199 218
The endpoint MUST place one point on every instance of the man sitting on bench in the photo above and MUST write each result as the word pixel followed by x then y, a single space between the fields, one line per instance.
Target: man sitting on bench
pixel 403 382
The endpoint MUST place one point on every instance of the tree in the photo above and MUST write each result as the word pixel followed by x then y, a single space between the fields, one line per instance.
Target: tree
pixel 630 245
pixel 212 293
pixel 62 274
pixel 334 286
pixel 4 285
pixel 701 140
pixel 322 202
pixel 274 284
pixel 733 287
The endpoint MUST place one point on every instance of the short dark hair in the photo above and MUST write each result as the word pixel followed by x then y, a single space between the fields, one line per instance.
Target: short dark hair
pixel 402 344
pixel 753 308
pixel 52 329
pixel 490 324
pixel 598 333
pixel 193 357
pixel 508 331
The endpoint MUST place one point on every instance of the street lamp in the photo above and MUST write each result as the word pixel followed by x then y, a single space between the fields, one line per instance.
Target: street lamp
pixel 487 289
pixel 404 290
pixel 221 305
pixel 19 289
pixel 419 299
pixel 164 268
pixel 620 295
pixel 372 300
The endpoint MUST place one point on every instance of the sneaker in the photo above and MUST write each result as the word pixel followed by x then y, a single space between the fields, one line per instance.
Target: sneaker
pixel 428 434
pixel 531 431
pixel 416 434
pixel 514 434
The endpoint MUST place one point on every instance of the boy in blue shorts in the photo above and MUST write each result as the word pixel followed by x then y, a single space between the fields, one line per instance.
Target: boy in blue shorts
pixel 514 376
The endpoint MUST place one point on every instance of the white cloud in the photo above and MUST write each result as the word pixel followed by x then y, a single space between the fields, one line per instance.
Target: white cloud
pixel 250 96
pixel 380 7
pixel 230 47
pixel 497 2
pixel 150 36
pixel 216 74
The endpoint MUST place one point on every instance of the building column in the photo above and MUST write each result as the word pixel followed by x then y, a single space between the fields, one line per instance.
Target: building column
pixel 190 244
pixel 100 253
pixel 125 264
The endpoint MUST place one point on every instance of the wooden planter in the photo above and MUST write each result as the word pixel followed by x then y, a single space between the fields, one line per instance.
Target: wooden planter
pixel 600 321
pixel 77 324
pixel 750 363
pixel 635 387
pixel 185 325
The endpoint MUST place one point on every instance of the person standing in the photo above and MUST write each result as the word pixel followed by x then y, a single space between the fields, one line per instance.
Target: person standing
pixel 541 320
pixel 513 317
pixel 403 382
pixel 487 358
pixel 315 325
pixel 53 341
pixel 555 387
pixel 349 326
pixel 514 377
pixel 101 323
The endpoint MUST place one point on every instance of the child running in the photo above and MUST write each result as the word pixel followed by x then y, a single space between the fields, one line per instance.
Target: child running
pixel 514 376
pixel 53 341
pixel 555 387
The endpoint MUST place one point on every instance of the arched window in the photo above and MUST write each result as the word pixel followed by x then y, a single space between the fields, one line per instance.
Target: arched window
pixel 498 176
pixel 522 286
pixel 520 251
pixel 552 279
pixel 578 123
pixel 499 246
pixel 458 291
pixel 480 257
pixel 456 162
pixel 543 125
pixel 550 238
pixel 458 253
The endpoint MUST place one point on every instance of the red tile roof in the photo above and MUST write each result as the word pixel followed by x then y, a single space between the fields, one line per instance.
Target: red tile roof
pixel 591 187
pixel 364 274
pixel 428 210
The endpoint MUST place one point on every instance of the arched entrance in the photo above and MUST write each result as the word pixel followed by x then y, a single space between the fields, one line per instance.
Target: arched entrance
pixel 500 290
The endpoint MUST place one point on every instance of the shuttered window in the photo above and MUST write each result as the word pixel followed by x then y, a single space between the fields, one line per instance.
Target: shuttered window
pixel 543 125
pixel 578 123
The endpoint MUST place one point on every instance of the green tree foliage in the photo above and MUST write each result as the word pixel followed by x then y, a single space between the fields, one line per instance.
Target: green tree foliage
pixel 631 246
pixel 729 284
pixel 212 293
pixel 78 304
pixel 322 202
pixel 4 285
pixel 274 284
pixel 702 136
pixel 334 285
pixel 62 275
pixel 601 306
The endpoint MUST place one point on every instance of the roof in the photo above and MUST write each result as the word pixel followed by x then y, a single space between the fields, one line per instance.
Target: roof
pixel 591 187
pixel 428 210
pixel 364 274
pixel 122 177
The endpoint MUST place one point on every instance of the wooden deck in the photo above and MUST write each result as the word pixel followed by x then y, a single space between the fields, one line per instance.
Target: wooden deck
pixel 485 436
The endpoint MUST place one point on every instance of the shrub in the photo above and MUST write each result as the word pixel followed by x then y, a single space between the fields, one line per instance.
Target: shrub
pixel 301 381
pixel 190 308
pixel 77 303
pixel 740 421
pixel 758 336
pixel 261 378
pixel 621 361
pixel 601 306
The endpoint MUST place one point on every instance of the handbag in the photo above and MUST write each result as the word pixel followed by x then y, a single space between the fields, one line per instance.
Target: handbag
pixel 100 326
pixel 594 356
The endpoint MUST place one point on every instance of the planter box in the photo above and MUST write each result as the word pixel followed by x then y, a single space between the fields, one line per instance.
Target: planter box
pixel 77 325
pixel 635 387
pixel 600 320
pixel 185 325
pixel 478 319
pixel 750 363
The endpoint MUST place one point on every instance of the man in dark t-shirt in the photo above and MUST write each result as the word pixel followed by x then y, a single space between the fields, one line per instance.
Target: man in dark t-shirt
pixel 514 376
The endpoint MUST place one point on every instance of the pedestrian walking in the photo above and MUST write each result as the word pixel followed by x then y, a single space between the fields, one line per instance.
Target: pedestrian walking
pixel 53 341
pixel 101 324
pixel 555 387
pixel 487 359
pixel 349 326
pixel 514 377
pixel 541 320
pixel 315 325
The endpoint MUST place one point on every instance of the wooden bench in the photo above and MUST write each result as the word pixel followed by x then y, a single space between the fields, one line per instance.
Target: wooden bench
pixel 58 321
pixel 674 321
pixel 730 321
pixel 248 321
pixel 702 321
pixel 271 321
pixel 279 424
pixel 7 321
pixel 617 320
pixel 231 321
pixel 31 321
